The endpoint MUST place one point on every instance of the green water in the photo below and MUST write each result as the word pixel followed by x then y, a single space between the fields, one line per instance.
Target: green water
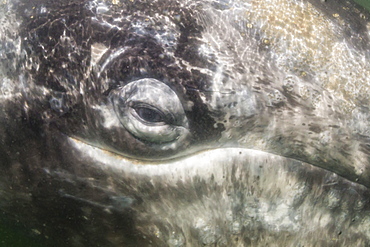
pixel 364 3
pixel 15 237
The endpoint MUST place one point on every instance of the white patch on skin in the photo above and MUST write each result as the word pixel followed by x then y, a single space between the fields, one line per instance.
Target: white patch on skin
pixel 8 89
pixel 360 122
pixel 278 217
pixel 322 219
pixel 228 91
pixel 97 51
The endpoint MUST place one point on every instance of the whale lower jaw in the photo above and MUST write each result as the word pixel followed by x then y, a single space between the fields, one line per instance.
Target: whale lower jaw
pixel 222 196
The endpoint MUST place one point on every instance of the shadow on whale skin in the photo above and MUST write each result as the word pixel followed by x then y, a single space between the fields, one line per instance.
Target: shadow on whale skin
pixel 200 123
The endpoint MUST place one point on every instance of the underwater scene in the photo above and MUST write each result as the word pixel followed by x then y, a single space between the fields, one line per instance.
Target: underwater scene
pixel 184 123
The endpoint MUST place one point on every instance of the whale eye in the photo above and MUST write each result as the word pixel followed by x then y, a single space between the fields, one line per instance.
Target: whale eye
pixel 149 115
pixel 151 112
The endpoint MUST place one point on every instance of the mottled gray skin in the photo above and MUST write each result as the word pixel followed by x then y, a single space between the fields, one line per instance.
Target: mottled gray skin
pixel 271 146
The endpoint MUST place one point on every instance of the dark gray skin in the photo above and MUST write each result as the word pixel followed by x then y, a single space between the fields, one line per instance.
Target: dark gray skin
pixel 192 123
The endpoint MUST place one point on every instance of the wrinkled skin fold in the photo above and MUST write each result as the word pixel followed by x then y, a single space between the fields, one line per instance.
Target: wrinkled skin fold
pixel 192 123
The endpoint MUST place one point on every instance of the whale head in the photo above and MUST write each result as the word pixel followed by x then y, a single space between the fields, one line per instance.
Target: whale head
pixel 193 123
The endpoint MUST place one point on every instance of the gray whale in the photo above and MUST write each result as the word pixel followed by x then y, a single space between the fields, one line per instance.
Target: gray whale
pixel 192 123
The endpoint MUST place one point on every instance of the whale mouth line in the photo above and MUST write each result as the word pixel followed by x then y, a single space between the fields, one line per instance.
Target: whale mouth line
pixel 201 163
pixel 89 148
pixel 101 154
